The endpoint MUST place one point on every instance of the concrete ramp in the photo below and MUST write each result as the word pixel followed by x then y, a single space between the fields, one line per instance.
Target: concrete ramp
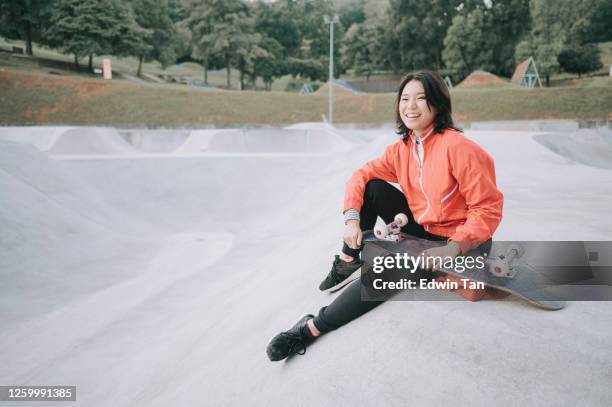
pixel 324 130
pixel 198 141
pixel 158 279
pixel 155 141
pixel 302 138
pixel 544 190
pixel 90 140
pixel 28 169
pixel 277 141
pixel 591 147
pixel 527 125
pixel 43 137
pixel 244 141
pixel 58 234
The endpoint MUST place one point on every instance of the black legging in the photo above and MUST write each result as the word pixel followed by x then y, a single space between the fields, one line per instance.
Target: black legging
pixel 384 200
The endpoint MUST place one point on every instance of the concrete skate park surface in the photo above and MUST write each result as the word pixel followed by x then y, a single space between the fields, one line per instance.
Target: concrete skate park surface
pixel 151 268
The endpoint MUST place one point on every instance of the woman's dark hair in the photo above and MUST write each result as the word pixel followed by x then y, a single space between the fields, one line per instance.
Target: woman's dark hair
pixel 438 97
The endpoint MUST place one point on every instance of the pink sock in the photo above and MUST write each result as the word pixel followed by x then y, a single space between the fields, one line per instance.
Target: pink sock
pixel 313 329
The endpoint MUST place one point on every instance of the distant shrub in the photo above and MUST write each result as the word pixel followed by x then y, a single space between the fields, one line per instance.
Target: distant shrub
pixel 580 59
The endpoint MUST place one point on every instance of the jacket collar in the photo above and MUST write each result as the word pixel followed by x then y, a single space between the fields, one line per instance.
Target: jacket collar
pixel 425 134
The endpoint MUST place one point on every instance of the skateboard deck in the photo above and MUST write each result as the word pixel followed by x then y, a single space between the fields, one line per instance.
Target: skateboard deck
pixel 516 277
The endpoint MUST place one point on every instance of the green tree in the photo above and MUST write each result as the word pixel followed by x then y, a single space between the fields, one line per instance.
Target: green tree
pixel 272 65
pixel 376 12
pixel 600 29
pixel 130 39
pixel 275 21
pixel 312 69
pixel 360 49
pixel 95 27
pixel 580 59
pixel 314 33
pixel 178 10
pixel 363 45
pixel 581 17
pixel 415 32
pixel 558 25
pixel 247 52
pixel 281 39
pixel 298 25
pixel 165 41
pixel 509 22
pixel 352 12
pixel 200 23
pixel 24 19
pixel 231 34
pixel 467 46
pixel 220 27
pixel 72 32
pixel 311 59
pixel 485 35
pixel 547 36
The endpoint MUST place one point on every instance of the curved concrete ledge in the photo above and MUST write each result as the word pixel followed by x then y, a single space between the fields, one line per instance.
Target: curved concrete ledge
pixel 592 147
pixel 159 281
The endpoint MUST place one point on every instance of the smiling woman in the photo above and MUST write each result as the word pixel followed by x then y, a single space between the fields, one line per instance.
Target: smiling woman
pixel 423 98
pixel 415 112
pixel 448 193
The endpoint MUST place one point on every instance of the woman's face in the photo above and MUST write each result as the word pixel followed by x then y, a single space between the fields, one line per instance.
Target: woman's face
pixel 413 108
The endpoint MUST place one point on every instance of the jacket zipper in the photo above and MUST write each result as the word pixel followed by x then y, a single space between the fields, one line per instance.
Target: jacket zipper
pixel 421 158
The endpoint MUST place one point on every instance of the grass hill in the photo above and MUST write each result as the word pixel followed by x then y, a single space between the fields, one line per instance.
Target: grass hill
pixel 47 89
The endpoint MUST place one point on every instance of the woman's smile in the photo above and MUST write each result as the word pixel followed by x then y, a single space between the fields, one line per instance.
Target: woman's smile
pixel 416 113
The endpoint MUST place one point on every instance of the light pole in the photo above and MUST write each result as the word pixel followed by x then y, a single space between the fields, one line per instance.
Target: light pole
pixel 331 20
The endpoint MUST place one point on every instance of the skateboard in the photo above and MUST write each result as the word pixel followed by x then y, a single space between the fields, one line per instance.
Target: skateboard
pixel 503 268
pixel 391 231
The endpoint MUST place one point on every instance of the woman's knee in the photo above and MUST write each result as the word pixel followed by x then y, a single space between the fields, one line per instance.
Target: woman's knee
pixel 376 187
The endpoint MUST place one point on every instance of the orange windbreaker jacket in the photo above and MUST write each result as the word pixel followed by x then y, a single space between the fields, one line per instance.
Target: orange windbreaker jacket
pixel 448 180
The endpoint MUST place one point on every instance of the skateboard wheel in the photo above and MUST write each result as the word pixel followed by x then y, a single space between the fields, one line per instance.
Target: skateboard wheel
pixel 381 232
pixel 515 251
pixel 401 219
pixel 500 268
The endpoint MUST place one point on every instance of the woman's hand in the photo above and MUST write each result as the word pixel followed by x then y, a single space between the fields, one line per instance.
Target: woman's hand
pixel 451 249
pixel 352 234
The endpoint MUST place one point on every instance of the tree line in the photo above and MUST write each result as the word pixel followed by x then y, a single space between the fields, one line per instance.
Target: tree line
pixel 268 40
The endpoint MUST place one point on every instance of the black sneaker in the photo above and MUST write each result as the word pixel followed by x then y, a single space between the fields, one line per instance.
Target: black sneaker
pixel 341 274
pixel 291 342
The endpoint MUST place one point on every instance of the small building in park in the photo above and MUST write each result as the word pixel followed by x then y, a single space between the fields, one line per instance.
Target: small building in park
pixel 526 74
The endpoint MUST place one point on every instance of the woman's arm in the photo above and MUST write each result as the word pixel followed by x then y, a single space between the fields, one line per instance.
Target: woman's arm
pixel 474 171
pixel 380 168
